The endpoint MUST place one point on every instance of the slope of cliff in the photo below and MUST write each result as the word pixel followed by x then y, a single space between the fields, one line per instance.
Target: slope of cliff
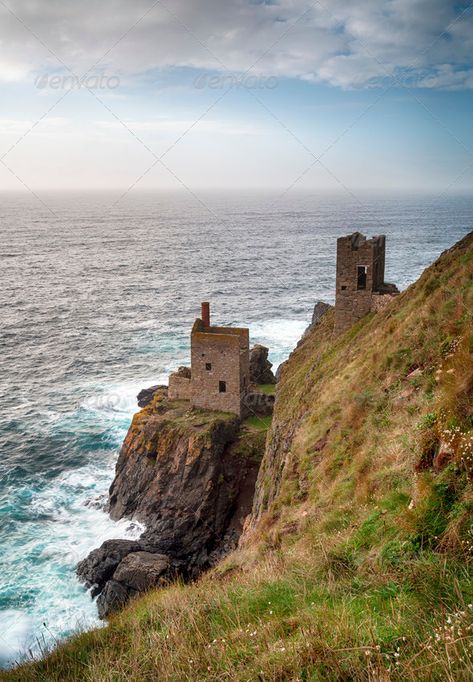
pixel 356 562
pixel 189 476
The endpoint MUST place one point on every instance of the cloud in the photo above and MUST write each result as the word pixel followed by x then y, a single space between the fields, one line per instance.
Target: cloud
pixel 345 44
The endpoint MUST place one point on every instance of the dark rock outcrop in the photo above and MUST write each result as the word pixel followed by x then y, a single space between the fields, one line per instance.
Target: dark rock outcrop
pixel 259 403
pixel 113 598
pixel 100 564
pixel 136 573
pixel 185 475
pixel 146 395
pixel 320 309
pixel 280 371
pixel 260 366
pixel 142 570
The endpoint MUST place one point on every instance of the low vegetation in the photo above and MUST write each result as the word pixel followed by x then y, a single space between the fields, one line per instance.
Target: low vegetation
pixel 357 563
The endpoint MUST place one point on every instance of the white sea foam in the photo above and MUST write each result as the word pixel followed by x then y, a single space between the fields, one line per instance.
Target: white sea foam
pixel 61 528
pixel 118 400
pixel 67 530
pixel 281 335
pixel 15 627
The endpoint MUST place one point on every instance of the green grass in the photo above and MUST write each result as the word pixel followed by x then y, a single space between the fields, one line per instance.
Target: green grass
pixel 257 422
pixel 267 389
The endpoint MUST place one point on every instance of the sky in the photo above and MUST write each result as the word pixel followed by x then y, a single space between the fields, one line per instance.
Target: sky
pixel 336 95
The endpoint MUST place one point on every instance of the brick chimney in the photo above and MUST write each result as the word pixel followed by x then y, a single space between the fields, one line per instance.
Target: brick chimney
pixel 205 314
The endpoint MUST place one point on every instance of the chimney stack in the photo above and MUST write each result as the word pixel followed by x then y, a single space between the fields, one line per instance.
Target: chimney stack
pixel 205 315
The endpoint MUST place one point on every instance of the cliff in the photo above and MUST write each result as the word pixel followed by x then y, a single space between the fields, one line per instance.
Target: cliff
pixel 189 476
pixel 356 564
pixel 347 424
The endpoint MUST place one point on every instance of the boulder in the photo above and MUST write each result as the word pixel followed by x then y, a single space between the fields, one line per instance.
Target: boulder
pixel 140 571
pixel 136 573
pixel 100 564
pixel 280 370
pixel 146 395
pixel 260 367
pixel 113 598
pixel 320 309
pixel 258 403
pixel 444 455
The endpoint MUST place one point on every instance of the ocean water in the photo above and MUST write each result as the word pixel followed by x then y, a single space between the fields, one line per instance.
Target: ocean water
pixel 97 301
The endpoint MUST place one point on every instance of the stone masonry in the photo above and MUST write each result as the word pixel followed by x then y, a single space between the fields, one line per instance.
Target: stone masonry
pixel 360 285
pixel 180 384
pixel 219 377
pixel 220 366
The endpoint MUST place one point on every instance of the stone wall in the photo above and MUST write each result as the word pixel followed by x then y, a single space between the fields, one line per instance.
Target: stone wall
pixel 219 360
pixel 179 387
pixel 351 302
pixel 379 301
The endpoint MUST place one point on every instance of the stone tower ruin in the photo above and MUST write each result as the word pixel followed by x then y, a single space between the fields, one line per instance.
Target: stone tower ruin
pixel 219 377
pixel 360 286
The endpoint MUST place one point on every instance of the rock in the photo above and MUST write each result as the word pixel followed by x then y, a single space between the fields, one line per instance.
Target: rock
pixel 136 573
pixel 260 367
pixel 98 502
pixel 141 571
pixel 146 395
pixel 280 371
pixel 176 473
pixel 184 474
pixel 444 455
pixel 404 396
pixel 319 311
pixel 113 598
pixel 100 564
pixel 259 403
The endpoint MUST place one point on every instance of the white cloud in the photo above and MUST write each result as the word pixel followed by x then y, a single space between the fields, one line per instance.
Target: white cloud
pixel 347 44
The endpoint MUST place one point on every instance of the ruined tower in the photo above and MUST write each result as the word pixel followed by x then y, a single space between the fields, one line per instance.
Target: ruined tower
pixel 219 377
pixel 360 285
pixel 219 365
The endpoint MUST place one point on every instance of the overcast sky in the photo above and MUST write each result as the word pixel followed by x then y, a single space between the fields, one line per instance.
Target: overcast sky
pixel 331 95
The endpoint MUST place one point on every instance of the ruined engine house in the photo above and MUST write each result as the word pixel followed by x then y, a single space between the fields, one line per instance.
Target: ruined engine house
pixel 360 285
pixel 220 367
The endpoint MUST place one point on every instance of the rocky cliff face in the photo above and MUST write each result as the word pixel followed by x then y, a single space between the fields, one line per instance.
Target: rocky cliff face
pixel 189 476
pixel 260 366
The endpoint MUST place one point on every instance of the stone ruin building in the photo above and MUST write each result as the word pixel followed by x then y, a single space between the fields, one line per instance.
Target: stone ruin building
pixel 360 286
pixel 219 377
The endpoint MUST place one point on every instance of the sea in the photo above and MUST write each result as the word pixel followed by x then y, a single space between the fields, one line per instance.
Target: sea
pixel 97 297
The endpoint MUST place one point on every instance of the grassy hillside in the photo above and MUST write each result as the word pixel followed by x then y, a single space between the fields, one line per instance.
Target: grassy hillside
pixel 357 563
